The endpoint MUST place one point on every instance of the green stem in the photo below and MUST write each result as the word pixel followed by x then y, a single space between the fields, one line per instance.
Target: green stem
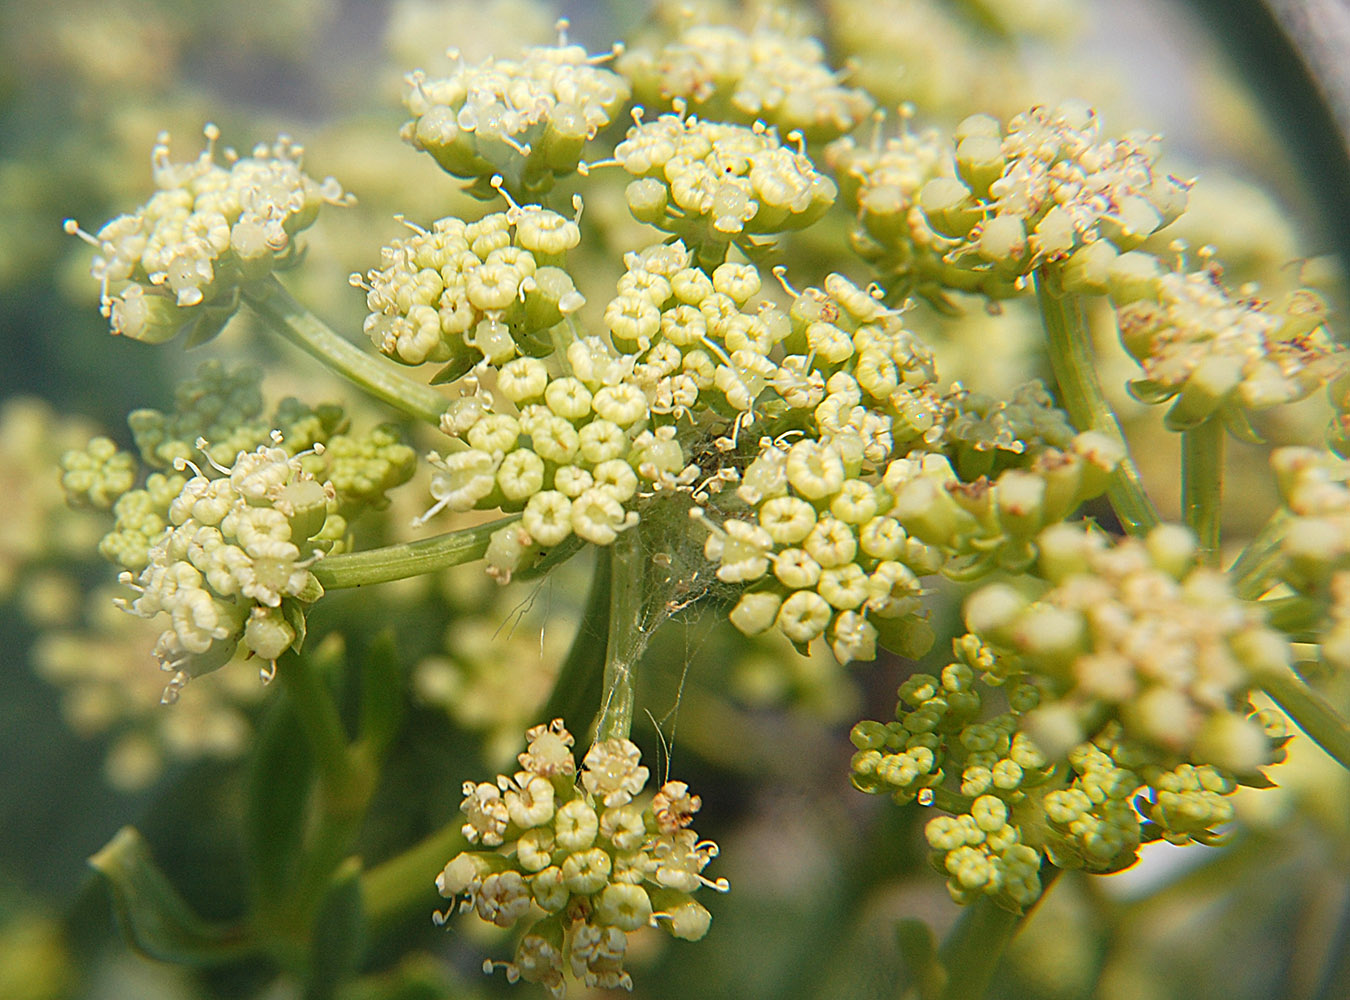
pixel 1310 711
pixel 627 637
pixel 407 559
pixel 1202 485
pixel 1081 392
pixel 295 323
pixel 408 880
pixel 971 952
pixel 950 802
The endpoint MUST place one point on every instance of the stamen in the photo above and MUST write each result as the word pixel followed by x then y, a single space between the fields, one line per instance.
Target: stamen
pixel 73 228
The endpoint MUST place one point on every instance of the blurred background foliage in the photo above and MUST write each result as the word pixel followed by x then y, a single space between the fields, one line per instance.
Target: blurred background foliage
pixel 821 874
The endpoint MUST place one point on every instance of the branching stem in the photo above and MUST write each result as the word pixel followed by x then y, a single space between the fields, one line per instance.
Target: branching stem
pixel 407 559
pixel 1080 391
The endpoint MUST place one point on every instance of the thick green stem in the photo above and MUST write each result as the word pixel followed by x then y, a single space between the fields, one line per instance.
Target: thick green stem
pixel 295 323
pixel 576 691
pixel 407 559
pixel 972 950
pixel 408 880
pixel 1080 391
pixel 627 637
pixel 1310 711
pixel 1202 485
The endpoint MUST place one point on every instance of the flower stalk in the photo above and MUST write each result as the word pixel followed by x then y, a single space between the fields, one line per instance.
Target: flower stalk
pixel 972 950
pixel 407 880
pixel 293 322
pixel 1081 392
pixel 1202 485
pixel 627 637
pixel 407 559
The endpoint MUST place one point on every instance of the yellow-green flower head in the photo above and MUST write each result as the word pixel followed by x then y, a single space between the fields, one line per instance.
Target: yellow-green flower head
pixel 229 567
pixel 179 259
pixel 1044 188
pixel 725 74
pixel 464 292
pixel 712 183
pixel 1216 352
pixel 1136 631
pixel 573 844
pixel 527 120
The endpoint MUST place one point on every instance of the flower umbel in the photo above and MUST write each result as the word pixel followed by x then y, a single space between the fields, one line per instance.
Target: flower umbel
pixel 581 862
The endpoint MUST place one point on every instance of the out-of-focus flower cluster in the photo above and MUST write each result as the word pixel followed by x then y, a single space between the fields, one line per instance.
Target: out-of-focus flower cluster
pixel 1046 188
pixel 948 58
pixel 1135 632
pixel 725 74
pixel 1011 806
pixel 525 120
pixel 490 626
pixel 570 853
pixel 1218 353
pixel 38 527
pixel 179 260
pixel 106 689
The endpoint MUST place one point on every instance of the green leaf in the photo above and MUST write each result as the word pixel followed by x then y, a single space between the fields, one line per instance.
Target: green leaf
pixel 280 786
pixel 154 918
pixel 1235 419
pixel 294 613
pixel 339 933
pixel 1148 391
pixel 381 693
pixel 918 949
pixel 457 368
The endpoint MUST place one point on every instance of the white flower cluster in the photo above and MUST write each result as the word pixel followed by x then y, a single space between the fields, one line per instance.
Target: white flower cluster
pixel 1214 351
pixel 229 568
pixel 527 120
pixel 489 285
pixel 711 182
pixel 725 73
pixel 208 229
pixel 1047 188
pixel 580 861
pixel 882 181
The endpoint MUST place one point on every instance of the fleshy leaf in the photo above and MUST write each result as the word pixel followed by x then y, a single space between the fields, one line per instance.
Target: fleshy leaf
pixel 154 918
pixel 339 933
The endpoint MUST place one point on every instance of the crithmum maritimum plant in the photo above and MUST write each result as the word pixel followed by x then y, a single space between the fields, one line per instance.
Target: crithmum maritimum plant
pixel 728 427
